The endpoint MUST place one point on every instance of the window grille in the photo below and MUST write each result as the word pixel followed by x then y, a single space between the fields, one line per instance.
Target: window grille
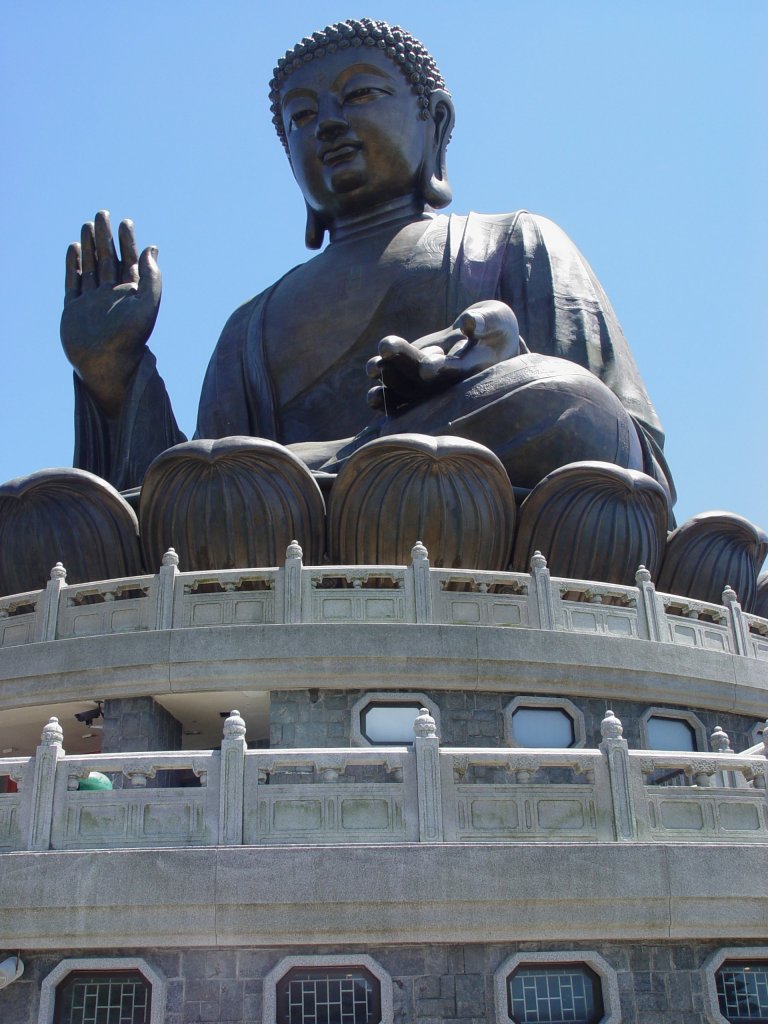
pixel 555 994
pixel 742 991
pixel 97 997
pixel 328 996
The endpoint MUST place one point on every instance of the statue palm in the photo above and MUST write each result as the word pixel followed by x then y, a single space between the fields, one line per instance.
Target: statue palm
pixel 110 309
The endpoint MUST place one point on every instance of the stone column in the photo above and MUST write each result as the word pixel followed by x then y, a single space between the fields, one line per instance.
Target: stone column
pixel 139 724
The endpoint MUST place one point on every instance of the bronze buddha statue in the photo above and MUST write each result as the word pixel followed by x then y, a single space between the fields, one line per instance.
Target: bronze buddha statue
pixel 493 363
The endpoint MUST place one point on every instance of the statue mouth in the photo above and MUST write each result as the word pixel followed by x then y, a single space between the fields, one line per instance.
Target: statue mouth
pixel 340 154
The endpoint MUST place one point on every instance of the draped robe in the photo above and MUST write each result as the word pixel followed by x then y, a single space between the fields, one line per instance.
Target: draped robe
pixel 520 258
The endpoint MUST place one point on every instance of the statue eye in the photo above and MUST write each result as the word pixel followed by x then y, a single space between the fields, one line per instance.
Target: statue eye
pixel 363 95
pixel 299 118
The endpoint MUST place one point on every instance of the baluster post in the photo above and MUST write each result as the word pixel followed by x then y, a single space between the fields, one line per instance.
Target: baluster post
pixel 653 613
pixel 422 586
pixel 47 757
pixel 233 749
pixel 615 749
pixel 541 593
pixel 426 746
pixel 292 585
pixel 736 622
pixel 48 606
pixel 166 585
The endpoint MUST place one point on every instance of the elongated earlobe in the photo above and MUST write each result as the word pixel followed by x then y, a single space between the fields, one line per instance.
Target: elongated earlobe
pixel 314 233
pixel 435 187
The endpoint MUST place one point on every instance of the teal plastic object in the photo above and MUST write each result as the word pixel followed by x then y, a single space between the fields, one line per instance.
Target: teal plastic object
pixel 96 780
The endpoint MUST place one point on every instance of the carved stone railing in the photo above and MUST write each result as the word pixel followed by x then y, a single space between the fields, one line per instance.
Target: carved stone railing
pixel 294 594
pixel 419 793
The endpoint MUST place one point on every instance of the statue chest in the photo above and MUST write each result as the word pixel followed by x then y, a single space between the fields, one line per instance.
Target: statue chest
pixel 323 323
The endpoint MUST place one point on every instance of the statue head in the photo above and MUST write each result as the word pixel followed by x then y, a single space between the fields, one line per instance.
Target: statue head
pixel 365 119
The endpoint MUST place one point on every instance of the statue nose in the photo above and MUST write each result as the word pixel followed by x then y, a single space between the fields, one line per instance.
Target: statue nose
pixel 330 125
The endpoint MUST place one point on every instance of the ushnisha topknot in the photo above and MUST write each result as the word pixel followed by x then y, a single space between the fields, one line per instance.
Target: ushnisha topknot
pixel 413 59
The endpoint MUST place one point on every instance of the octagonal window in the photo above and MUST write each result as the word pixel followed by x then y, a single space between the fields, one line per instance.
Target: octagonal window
pixel 670 734
pixel 389 723
pixel 332 995
pixel 106 997
pixel 554 994
pixel 742 991
pixel 542 727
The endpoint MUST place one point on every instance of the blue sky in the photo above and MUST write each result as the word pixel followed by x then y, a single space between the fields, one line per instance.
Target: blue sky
pixel 639 127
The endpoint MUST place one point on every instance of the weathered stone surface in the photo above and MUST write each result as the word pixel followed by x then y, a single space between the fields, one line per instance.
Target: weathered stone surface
pixel 594 521
pixel 449 493
pixel 229 504
pixel 68 516
pixel 412 893
pixel 450 658
pixel 710 552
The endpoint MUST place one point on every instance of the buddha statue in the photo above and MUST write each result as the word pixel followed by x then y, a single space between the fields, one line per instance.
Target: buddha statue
pixel 492 328
pixel 472 358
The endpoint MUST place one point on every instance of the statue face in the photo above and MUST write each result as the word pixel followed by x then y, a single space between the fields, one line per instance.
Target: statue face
pixel 354 133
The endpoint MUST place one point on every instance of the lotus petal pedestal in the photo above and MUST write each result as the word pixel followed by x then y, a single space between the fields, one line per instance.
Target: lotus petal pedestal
pixel 230 503
pixel 594 521
pixel 68 516
pixel 710 552
pixel 452 494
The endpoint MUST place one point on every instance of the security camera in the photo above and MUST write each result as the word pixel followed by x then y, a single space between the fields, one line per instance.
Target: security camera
pixel 89 717
pixel 10 970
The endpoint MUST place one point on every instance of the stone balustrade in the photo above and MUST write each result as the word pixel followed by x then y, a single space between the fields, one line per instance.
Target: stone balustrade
pixel 398 794
pixel 418 593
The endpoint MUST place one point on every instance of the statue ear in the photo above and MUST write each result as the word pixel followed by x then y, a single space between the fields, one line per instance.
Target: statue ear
pixel 314 233
pixel 436 188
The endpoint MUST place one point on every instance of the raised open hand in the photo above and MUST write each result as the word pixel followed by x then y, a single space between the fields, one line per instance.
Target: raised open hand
pixel 484 334
pixel 110 308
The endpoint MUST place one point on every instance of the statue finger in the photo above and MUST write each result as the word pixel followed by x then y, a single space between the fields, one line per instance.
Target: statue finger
pixel 88 257
pixel 150 278
pixel 373 367
pixel 399 358
pixel 105 249
pixel 72 273
pixel 376 398
pixel 129 254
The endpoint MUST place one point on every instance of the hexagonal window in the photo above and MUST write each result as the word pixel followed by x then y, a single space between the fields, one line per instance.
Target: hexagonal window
pixel 554 994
